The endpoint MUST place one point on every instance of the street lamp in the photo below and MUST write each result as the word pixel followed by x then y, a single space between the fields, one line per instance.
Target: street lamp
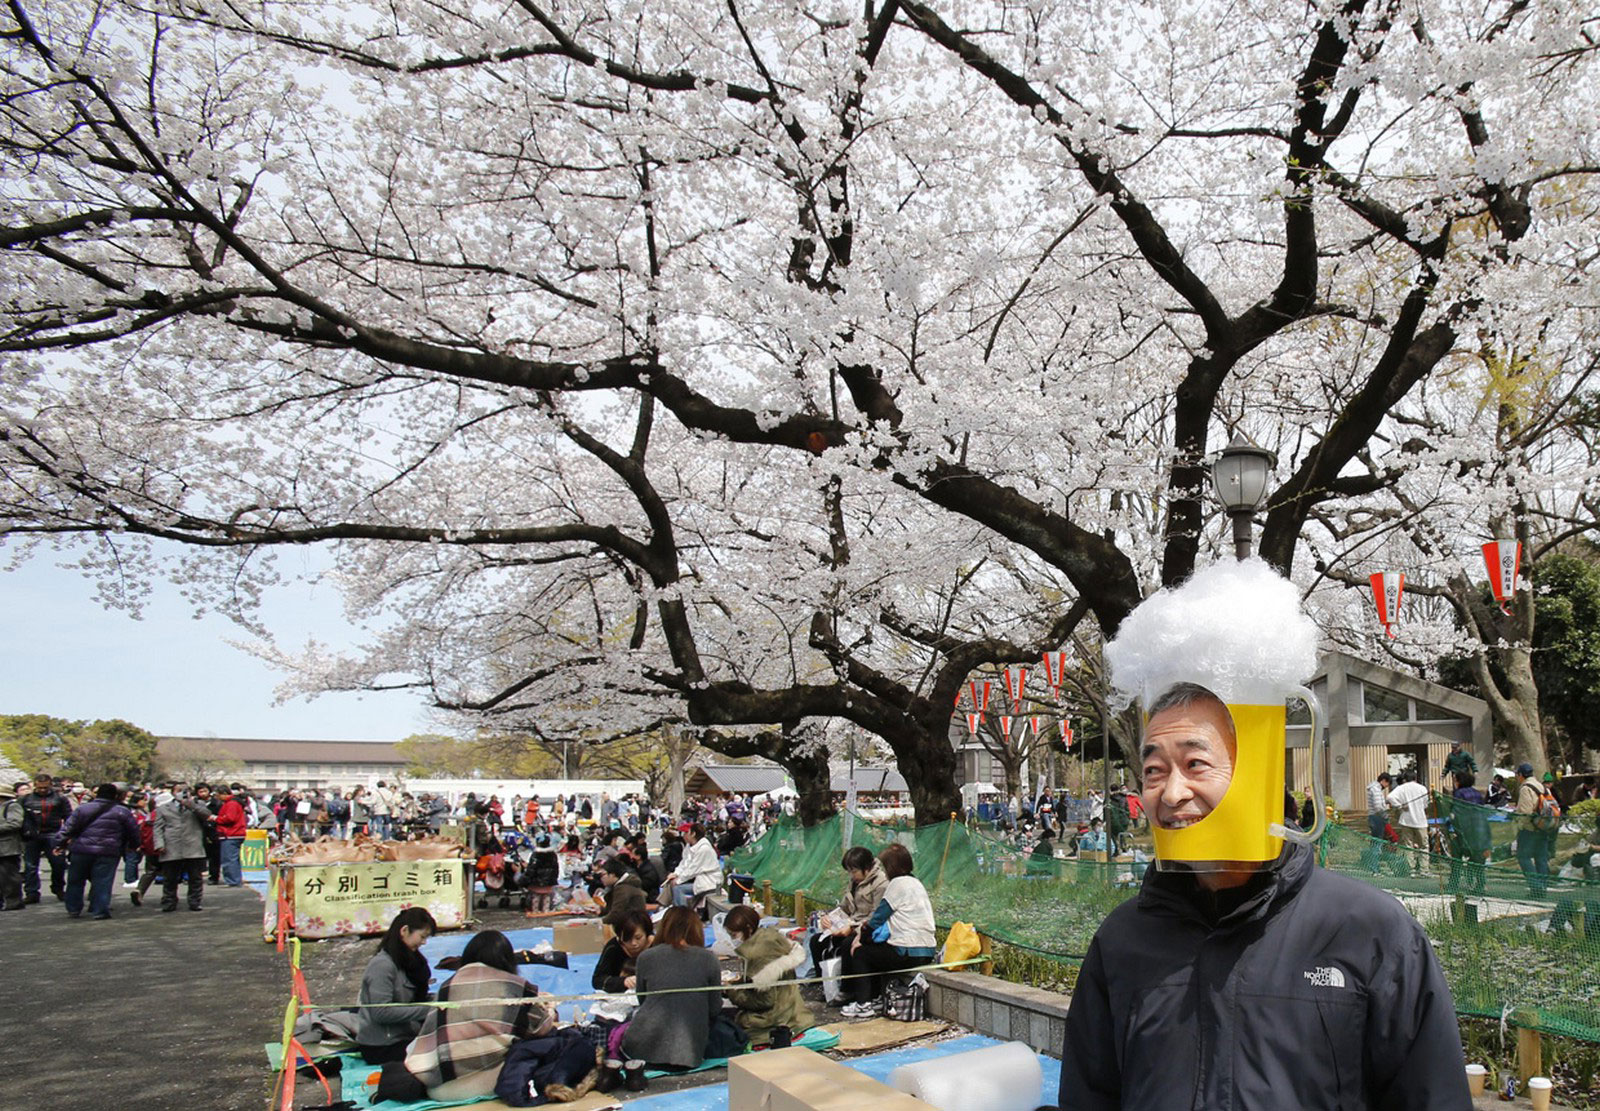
pixel 1240 476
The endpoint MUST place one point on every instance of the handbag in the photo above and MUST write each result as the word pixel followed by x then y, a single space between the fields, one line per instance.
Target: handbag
pixel 832 987
pixel 906 1002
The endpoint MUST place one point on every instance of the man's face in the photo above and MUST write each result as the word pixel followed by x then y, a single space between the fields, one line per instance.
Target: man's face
pixel 41 786
pixel 1188 763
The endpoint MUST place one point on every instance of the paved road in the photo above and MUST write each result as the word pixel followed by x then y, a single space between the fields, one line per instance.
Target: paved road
pixel 150 1010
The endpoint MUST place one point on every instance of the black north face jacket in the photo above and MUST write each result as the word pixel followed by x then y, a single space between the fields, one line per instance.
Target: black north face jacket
pixel 1304 990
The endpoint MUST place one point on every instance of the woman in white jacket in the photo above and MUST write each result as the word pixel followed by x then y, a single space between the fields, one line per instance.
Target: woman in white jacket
pixel 699 872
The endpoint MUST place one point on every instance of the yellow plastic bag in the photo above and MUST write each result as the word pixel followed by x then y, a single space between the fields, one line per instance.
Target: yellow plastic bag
pixel 961 944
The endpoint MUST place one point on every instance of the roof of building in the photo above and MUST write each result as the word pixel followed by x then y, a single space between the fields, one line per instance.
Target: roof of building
pixel 756 779
pixel 256 750
pixel 869 781
pixel 743 779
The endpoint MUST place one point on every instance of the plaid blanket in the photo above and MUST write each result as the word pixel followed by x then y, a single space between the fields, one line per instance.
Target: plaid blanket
pixel 466 1039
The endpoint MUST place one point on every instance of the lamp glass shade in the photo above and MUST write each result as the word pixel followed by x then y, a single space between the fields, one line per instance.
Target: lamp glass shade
pixel 1240 476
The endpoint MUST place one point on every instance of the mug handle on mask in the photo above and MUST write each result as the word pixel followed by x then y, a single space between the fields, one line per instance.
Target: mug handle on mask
pixel 1316 749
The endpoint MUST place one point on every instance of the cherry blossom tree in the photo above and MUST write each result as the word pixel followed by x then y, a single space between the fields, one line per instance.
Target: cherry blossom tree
pixel 939 283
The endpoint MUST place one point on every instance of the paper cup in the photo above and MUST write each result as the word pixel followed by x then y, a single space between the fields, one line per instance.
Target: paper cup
pixel 1477 1077
pixel 1539 1092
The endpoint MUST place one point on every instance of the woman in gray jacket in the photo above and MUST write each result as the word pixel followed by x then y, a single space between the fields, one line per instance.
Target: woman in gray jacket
pixel 398 973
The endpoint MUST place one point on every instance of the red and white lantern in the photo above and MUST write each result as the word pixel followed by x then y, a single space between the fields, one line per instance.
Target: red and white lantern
pixel 1055 669
pixel 1034 723
pixel 973 721
pixel 1066 734
pixel 980 696
pixel 1016 683
pixel 1005 726
pixel 1503 558
pixel 1387 588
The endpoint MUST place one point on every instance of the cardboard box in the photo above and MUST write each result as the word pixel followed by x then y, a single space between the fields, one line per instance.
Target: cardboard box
pixel 583 935
pixel 839 1088
pixel 797 1079
pixel 750 1077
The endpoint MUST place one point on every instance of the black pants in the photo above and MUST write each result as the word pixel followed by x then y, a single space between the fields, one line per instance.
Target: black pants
pixel 171 870
pixel 214 860
pixel 11 881
pixel 34 850
pixel 879 959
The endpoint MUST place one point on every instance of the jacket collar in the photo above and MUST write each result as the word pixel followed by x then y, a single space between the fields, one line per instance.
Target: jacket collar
pixel 1180 895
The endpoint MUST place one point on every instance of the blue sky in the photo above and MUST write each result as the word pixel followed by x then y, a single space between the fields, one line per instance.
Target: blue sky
pixel 61 653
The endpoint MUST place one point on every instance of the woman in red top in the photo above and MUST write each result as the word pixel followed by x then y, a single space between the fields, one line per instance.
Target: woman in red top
pixel 232 825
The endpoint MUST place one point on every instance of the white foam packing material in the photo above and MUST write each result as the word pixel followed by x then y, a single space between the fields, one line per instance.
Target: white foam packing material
pixel 999 1078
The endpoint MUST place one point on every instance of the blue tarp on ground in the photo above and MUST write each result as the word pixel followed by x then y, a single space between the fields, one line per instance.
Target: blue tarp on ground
pixel 575 979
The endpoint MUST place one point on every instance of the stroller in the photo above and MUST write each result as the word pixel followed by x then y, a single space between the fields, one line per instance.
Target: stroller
pixel 503 867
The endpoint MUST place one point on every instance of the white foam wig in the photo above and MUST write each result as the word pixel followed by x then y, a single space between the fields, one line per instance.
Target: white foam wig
pixel 1236 628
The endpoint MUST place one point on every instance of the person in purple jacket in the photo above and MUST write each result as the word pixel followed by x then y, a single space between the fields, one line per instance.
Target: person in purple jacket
pixel 95 836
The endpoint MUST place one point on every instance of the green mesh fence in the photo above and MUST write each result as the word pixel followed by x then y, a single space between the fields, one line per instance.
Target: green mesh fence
pixel 1528 950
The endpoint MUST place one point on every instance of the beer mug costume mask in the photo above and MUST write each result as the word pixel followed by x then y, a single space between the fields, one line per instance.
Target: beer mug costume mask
pixel 1238 631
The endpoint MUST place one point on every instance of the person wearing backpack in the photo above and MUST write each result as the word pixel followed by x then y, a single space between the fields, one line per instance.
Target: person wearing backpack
pixel 1539 819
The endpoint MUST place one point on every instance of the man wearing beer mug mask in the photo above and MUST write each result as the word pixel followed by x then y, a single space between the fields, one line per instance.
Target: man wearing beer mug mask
pixel 1243 976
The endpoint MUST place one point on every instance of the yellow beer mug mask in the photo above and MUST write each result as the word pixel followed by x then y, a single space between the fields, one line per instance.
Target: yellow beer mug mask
pixel 1237 630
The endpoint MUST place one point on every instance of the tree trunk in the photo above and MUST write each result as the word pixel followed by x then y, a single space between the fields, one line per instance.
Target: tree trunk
pixel 1516 707
pixel 927 760
pixel 813 779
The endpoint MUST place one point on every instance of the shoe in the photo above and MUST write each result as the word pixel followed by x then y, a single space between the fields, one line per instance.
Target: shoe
pixel 135 898
pixel 74 914
pixel 197 910
pixel 60 898
pixel 610 1078
pixel 101 917
pixel 859 1010
pixel 34 898
pixel 633 1076
pixel 168 910
pixel 129 883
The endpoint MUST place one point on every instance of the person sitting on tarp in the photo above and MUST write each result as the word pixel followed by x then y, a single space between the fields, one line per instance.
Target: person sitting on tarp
pixel 622 891
pixel 672 1027
pixel 397 974
pixel 614 971
pixel 771 1011
pixel 459 1051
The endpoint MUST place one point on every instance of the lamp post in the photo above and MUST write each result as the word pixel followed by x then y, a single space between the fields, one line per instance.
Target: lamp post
pixel 1240 476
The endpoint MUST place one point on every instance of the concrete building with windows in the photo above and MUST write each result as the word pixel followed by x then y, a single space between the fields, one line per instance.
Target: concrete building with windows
pixel 276 764
pixel 1379 719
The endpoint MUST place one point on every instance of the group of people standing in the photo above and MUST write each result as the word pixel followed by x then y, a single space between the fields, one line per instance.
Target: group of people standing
pixel 1397 812
pixel 180 835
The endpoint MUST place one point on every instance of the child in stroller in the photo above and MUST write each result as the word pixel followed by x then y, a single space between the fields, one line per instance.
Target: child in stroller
pixel 503 867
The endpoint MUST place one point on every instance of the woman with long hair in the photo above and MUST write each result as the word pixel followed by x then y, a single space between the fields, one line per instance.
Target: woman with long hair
pixel 396 974
pixel 461 1048
pixel 615 970
pixel 671 1029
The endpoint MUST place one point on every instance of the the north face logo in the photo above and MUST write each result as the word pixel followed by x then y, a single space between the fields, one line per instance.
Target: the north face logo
pixel 1326 977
